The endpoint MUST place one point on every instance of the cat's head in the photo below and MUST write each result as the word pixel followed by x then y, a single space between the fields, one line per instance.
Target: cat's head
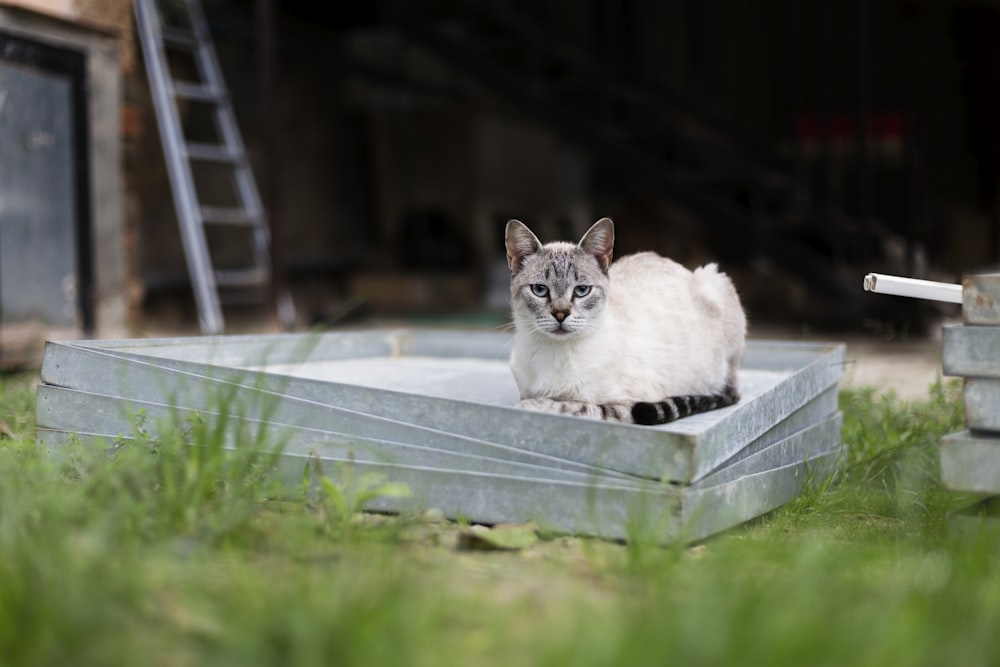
pixel 559 289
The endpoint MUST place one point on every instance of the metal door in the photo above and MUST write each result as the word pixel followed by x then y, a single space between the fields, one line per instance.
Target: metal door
pixel 43 194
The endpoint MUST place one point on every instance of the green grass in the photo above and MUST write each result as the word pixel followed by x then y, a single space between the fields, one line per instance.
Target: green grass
pixel 155 556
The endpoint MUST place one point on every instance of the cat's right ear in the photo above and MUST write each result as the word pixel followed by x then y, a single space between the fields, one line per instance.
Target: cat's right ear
pixel 599 241
pixel 521 243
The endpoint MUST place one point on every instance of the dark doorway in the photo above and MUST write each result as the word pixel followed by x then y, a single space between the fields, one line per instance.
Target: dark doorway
pixel 46 272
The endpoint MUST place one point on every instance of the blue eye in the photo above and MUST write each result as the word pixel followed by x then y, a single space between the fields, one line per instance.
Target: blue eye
pixel 539 290
pixel 581 290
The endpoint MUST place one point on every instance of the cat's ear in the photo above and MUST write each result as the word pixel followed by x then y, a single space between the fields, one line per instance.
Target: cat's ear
pixel 521 243
pixel 599 241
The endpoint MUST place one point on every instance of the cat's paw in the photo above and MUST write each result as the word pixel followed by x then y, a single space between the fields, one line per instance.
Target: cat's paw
pixel 538 404
pixel 615 412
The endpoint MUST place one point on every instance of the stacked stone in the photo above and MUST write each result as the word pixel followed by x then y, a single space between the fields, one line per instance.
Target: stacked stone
pixel 970 459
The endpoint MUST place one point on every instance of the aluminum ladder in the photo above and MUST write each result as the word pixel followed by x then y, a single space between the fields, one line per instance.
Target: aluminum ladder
pixel 179 28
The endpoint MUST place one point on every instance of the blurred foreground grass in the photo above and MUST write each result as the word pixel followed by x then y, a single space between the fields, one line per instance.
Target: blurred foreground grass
pixel 153 560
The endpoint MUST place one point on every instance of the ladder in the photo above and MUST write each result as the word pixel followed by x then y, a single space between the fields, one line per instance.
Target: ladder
pixel 178 29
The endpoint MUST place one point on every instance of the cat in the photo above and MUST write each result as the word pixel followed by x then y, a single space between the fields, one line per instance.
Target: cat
pixel 643 340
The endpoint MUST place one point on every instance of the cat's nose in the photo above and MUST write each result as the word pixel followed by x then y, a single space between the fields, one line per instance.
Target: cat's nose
pixel 560 314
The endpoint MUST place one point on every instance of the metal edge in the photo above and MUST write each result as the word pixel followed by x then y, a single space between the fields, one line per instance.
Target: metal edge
pixel 717 508
pixel 669 513
pixel 981 299
pixel 569 507
pixel 68 409
pixel 142 381
pixel 816 411
pixel 287 347
pixel 234 350
pixel 802 445
pixel 970 351
pixel 753 419
pixel 323 446
pixel 254 349
pixel 608 445
pixel 581 442
pixel 981 397
pixel 970 462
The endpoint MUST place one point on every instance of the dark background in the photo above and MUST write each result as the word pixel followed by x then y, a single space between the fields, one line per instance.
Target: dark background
pixel 800 143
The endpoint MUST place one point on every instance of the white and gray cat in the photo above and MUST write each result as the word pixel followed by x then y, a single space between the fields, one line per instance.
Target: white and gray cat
pixel 643 340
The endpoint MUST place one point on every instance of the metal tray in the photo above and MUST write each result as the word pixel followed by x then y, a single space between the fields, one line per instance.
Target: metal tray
pixel 603 507
pixel 433 409
pixel 443 390
pixel 970 351
pixel 973 352
pixel 71 411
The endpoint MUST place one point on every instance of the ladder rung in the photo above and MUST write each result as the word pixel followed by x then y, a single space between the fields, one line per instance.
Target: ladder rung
pixel 179 37
pixel 211 152
pixel 256 277
pixel 224 215
pixel 198 91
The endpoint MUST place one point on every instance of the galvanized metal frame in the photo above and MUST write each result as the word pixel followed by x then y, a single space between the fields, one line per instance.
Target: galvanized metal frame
pixel 970 460
pixel 481 459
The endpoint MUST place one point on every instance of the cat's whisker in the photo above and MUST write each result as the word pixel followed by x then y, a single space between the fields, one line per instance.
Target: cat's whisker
pixel 506 327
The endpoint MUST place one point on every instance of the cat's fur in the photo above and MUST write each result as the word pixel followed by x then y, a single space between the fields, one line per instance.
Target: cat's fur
pixel 642 340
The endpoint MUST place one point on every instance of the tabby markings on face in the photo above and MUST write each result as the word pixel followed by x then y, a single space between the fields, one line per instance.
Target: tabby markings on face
pixel 561 304
pixel 558 290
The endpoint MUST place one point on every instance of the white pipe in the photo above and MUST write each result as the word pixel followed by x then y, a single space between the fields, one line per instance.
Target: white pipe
pixel 911 287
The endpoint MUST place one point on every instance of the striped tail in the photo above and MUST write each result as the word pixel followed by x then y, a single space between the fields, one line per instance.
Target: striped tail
pixel 678 407
pixel 644 413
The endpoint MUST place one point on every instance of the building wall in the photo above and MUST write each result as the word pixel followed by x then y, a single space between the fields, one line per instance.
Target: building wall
pixel 100 31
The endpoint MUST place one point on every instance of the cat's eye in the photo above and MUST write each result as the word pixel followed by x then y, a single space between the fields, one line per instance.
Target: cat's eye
pixel 581 291
pixel 539 290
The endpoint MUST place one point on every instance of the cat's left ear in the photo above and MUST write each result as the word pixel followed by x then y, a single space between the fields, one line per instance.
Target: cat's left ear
pixel 599 241
pixel 520 242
